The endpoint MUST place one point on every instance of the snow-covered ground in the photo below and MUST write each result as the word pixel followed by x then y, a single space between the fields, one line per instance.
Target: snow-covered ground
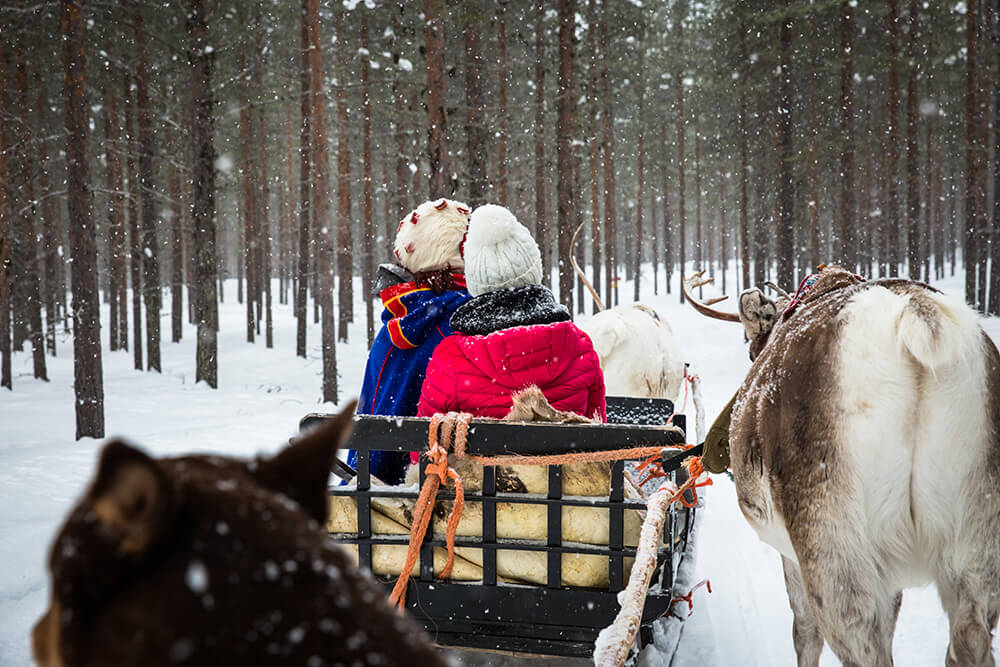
pixel 262 393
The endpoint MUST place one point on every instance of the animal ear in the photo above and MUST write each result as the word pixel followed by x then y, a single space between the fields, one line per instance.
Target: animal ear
pixel 131 497
pixel 301 471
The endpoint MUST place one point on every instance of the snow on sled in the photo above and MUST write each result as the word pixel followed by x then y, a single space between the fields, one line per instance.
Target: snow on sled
pixel 538 564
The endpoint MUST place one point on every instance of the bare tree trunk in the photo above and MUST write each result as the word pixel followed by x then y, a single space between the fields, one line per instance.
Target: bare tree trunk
pixel 846 247
pixel 700 237
pixel 813 170
pixel 543 232
pixel 248 206
pixel 668 265
pixel 593 142
pixel 344 241
pixel 640 181
pixel 912 151
pixel 50 223
pixel 88 381
pixel 608 141
pixel 368 260
pixel 680 11
pixel 6 351
pixel 744 158
pixel 264 261
pixel 321 202
pixel 975 157
pixel 135 246
pixel 565 130
pixel 150 244
pixel 437 151
pixel 476 131
pixel 201 60
pixel 177 246
pixel 117 259
pixel 994 303
pixel 31 310
pixel 305 188
pixel 401 194
pixel 786 185
pixel 892 219
pixel 501 18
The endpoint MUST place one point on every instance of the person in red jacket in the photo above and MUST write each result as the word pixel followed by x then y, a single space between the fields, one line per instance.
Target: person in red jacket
pixel 512 334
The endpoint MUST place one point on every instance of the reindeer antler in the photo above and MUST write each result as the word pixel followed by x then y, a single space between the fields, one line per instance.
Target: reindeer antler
pixel 688 286
pixel 777 290
pixel 579 271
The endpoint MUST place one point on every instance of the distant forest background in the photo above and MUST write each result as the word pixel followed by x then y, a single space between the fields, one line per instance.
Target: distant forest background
pixel 149 151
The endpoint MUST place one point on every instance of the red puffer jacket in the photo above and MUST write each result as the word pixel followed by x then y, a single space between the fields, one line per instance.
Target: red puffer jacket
pixel 478 368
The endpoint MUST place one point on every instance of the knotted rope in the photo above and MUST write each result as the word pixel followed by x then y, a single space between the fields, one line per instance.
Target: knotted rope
pixel 437 472
pixel 450 431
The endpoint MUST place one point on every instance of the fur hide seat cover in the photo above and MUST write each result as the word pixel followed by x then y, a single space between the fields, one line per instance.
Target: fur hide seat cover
pixel 516 521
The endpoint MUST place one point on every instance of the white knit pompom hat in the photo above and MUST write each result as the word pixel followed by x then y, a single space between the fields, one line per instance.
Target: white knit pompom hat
pixel 430 237
pixel 499 252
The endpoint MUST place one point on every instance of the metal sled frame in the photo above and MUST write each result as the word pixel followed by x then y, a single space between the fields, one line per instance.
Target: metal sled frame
pixel 547 620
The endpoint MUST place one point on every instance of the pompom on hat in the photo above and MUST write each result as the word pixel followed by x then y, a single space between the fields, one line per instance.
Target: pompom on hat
pixel 430 237
pixel 499 252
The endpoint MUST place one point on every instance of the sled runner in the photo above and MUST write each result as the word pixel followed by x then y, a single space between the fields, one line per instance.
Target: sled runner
pixel 483 605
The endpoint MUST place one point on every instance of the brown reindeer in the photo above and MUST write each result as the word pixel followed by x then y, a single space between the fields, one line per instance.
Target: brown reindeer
pixel 207 560
pixel 865 446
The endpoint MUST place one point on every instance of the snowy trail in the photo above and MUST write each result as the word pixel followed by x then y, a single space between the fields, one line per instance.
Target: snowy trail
pixel 263 393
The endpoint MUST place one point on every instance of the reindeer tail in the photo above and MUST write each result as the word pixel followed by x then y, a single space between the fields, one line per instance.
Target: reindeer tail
pixel 938 331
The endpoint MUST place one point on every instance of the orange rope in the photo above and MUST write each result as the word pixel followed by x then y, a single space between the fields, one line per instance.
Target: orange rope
pixel 457 424
pixel 689 597
pixel 437 472
pixel 576 457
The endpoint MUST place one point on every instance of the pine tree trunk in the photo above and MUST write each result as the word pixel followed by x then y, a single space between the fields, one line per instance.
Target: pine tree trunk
pixel 344 242
pixel 200 62
pixel 368 238
pixel 593 142
pixel 680 11
pixel 88 379
pixel 50 223
pixel 975 158
pixel 150 243
pixel 117 259
pixel 813 170
pixel 437 152
pixel 6 351
pixel 786 178
pixel 892 220
pixel 248 207
pixel 135 246
pixel 177 241
pixel 668 245
pixel 322 226
pixel 565 130
pixel 476 131
pixel 543 231
pixel 640 173
pixel 30 313
pixel 305 189
pixel 608 145
pixel 846 247
pixel 401 193
pixel 994 303
pixel 912 152
pixel 744 158
pixel 501 117
pixel 699 235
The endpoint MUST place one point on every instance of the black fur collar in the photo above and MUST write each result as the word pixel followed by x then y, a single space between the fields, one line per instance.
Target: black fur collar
pixel 506 308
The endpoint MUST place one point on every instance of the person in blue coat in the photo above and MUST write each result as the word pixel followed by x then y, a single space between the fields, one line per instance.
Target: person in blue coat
pixel 426 286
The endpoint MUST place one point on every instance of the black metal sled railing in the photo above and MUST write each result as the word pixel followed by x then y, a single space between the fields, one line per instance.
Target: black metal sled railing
pixel 549 619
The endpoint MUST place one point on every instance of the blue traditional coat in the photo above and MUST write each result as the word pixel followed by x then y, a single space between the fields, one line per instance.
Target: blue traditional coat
pixel 414 321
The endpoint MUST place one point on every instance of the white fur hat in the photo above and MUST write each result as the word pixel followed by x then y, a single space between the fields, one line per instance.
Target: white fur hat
pixel 430 237
pixel 499 252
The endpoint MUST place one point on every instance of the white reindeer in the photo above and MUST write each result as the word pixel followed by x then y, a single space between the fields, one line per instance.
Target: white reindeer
pixel 865 446
pixel 636 347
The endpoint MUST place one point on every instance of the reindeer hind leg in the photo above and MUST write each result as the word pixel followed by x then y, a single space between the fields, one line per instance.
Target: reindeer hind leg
pixel 972 615
pixel 805 633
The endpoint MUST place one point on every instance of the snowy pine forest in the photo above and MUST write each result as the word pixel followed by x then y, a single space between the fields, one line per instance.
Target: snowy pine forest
pixel 195 195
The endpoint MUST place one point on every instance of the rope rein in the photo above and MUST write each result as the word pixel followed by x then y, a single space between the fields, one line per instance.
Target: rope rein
pixel 451 431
